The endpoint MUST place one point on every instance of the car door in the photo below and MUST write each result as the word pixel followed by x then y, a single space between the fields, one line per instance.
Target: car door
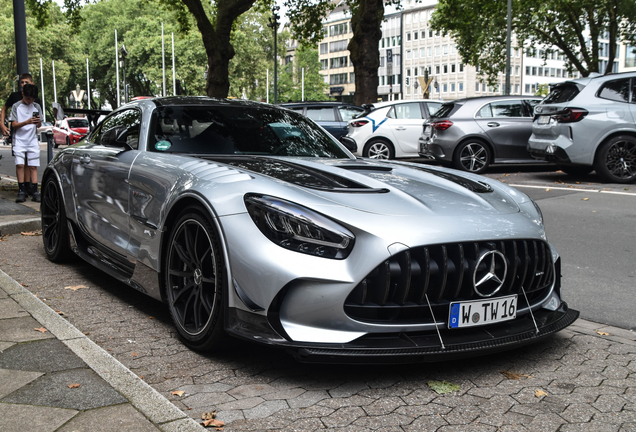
pixel 100 177
pixel 325 116
pixel 58 134
pixel 406 120
pixel 508 126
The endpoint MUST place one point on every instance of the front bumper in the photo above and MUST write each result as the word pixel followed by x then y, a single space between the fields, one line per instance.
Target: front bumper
pixel 410 347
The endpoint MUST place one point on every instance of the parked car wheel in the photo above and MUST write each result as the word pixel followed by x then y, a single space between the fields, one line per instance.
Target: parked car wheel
pixel 576 170
pixel 379 149
pixel 54 228
pixel 616 160
pixel 472 156
pixel 194 280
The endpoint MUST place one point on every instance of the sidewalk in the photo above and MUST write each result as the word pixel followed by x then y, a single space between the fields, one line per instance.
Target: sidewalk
pixel 52 377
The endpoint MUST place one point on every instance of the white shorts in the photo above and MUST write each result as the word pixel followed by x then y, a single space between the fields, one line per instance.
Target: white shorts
pixel 32 153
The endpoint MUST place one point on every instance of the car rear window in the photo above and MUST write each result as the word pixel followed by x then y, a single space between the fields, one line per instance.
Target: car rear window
pixel 562 93
pixel 446 110
pixel 615 90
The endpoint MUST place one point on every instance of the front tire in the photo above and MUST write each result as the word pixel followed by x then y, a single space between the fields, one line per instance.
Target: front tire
pixel 195 280
pixel 379 149
pixel 472 156
pixel 55 233
pixel 616 160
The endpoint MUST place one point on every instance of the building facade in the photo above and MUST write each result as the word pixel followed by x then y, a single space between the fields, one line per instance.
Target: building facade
pixel 336 67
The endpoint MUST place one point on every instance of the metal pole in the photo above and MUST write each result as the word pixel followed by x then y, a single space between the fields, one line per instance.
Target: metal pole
pixel 275 64
pixel 54 84
pixel 117 70
pixel 267 91
pixel 88 84
pixel 302 97
pixel 21 51
pixel 509 35
pixel 174 75
pixel 163 61
pixel 42 86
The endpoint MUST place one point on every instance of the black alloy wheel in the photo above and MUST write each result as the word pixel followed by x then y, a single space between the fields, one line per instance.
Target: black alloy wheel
pixel 195 281
pixel 55 233
pixel 472 156
pixel 616 160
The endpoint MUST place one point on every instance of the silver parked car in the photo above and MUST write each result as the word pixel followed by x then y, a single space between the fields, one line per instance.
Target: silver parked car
pixel 250 219
pixel 589 123
pixel 473 133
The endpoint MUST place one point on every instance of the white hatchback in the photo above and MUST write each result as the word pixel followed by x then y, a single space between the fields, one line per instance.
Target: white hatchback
pixel 389 130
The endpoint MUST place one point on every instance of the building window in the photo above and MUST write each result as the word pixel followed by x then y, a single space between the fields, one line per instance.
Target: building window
pixel 338 79
pixel 408 54
pixel 453 68
pixel 422 52
pixel 324 64
pixel 461 86
pixel 527 88
pixel 430 33
pixel 382 61
pixel 324 48
pixel 516 88
pixel 445 69
pixel 452 87
pixel 445 49
pixel 408 37
pixel 415 35
pixel 338 29
pixel 414 53
pixel 437 70
pixel 517 68
pixel 423 34
pixel 630 56
pixel 352 77
pixel 477 87
pixel 340 45
pixel 445 87
pixel 461 67
pixel 437 50
pixel 338 62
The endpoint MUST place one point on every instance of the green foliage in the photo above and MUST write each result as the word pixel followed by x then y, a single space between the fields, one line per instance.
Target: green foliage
pixel 290 80
pixel 542 90
pixel 479 28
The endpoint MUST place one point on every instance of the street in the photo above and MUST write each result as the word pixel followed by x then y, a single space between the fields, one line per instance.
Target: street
pixel 254 387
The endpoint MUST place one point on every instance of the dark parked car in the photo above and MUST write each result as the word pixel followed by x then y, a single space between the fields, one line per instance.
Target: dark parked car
pixel 333 116
pixel 473 133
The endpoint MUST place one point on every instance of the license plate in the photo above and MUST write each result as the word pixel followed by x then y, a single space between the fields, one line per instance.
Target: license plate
pixel 543 120
pixel 482 312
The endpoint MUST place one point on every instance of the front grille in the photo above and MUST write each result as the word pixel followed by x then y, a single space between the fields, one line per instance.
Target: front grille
pixel 395 292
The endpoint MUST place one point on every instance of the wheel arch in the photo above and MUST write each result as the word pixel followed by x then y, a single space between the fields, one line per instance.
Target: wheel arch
pixel 378 138
pixel 481 139
pixel 609 136
pixel 191 200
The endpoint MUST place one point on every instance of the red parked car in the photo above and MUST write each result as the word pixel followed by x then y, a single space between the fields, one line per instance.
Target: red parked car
pixel 70 130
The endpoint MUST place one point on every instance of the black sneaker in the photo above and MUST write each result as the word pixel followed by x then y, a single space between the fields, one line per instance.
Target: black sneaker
pixel 21 197
pixel 36 197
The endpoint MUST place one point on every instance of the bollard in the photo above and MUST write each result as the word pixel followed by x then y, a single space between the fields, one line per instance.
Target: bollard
pixel 49 147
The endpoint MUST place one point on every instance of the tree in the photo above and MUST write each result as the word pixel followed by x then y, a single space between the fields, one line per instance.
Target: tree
pixel 290 80
pixel 572 27
pixel 366 20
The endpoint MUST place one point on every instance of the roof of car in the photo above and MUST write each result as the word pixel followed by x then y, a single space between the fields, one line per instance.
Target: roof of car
pixel 310 103
pixel 394 102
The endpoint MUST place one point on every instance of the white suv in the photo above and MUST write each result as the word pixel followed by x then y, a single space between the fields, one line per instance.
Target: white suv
pixel 388 130
pixel 587 124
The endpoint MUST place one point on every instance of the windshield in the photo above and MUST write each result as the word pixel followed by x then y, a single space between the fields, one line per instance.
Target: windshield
pixel 254 130
pixel 78 123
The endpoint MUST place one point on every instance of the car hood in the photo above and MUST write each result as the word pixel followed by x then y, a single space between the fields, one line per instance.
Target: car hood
pixel 387 188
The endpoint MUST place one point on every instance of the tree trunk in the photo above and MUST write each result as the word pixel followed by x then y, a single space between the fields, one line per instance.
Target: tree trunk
pixel 366 22
pixel 216 40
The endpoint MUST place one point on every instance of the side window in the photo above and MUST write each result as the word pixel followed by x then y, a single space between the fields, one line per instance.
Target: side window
pixel 615 90
pixel 433 107
pixel 509 108
pixel 127 124
pixel 408 111
pixel 347 113
pixel 391 113
pixel 484 112
pixel 321 113
pixel 634 90
pixel 531 103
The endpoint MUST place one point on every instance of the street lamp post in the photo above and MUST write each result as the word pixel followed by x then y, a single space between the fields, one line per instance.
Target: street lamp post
pixel 273 24
pixel 122 64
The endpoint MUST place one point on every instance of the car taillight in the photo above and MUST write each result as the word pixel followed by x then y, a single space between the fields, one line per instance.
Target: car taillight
pixel 358 123
pixel 442 124
pixel 570 115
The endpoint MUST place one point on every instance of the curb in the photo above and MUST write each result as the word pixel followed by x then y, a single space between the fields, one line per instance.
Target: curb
pixel 141 395
pixel 16 227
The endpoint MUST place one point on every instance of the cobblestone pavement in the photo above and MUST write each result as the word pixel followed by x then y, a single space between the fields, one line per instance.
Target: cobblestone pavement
pixel 579 380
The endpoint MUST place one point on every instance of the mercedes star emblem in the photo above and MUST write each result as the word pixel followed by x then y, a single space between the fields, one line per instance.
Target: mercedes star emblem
pixel 490 273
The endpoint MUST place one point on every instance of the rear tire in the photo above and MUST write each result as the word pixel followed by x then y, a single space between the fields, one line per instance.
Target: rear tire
pixel 55 233
pixel 473 156
pixel 195 280
pixel 379 149
pixel 616 160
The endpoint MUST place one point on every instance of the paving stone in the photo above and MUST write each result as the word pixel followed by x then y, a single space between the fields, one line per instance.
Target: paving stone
pixel 298 413
pixel 52 390
pixel 383 406
pixel 343 417
pixel 22 330
pixel 468 428
pixel 546 423
pixel 346 402
pixel 252 390
pixel 614 371
pixel 579 413
pixel 284 394
pixel 306 425
pixel 112 418
pixel 424 410
pixel 375 422
pixel 428 423
pixel 419 397
pixel 203 388
pixel 229 416
pixel 5 346
pixel 348 389
pixel 308 398
pixel 15 417
pixel 41 356
pixel 12 380
pixel 206 400
pixel 265 409
pixel 609 403
pixel 10 309
pixel 240 404
pixel 592 426
pixel 463 415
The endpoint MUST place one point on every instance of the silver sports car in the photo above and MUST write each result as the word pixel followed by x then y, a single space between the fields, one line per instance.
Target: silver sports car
pixel 249 219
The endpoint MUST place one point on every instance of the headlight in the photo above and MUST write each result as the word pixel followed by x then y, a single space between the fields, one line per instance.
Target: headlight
pixel 299 229
pixel 75 133
pixel 536 206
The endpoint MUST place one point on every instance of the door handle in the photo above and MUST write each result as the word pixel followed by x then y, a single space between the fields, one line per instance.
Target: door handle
pixel 493 124
pixel 400 128
pixel 85 159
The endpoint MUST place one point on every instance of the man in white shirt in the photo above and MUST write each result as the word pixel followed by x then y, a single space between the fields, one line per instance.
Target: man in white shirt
pixel 58 111
pixel 25 118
